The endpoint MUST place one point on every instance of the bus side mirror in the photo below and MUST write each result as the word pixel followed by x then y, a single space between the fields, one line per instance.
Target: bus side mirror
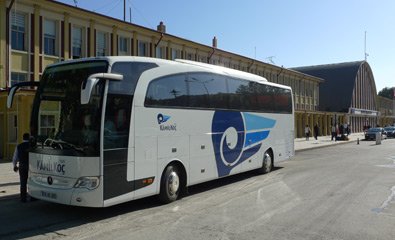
pixel 15 87
pixel 90 83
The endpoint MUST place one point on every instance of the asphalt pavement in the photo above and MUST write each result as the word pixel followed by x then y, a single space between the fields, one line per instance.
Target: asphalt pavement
pixel 9 180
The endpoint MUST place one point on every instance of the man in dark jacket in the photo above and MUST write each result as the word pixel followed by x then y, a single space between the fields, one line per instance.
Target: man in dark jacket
pixel 316 131
pixel 21 155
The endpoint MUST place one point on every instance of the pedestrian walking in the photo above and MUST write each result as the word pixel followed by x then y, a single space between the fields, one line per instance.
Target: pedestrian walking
pixel 345 127
pixel 21 156
pixel 348 129
pixel 316 131
pixel 333 132
pixel 341 129
pixel 307 131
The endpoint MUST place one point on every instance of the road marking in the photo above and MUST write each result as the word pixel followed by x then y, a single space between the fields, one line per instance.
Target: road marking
pixel 392 195
pixel 386 202
pixel 276 198
pixel 389 165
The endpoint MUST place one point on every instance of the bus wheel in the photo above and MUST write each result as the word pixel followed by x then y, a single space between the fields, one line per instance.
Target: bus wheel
pixel 267 164
pixel 170 185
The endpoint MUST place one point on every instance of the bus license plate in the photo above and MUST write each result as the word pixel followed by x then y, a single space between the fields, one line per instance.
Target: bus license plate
pixel 48 195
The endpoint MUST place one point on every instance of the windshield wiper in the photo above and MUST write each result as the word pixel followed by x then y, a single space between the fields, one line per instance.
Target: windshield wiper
pixel 54 143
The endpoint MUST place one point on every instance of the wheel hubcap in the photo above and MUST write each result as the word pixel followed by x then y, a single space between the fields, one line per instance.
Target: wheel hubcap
pixel 173 183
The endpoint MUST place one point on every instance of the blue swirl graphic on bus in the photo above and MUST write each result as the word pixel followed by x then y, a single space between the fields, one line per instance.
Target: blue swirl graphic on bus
pixel 236 137
pixel 162 118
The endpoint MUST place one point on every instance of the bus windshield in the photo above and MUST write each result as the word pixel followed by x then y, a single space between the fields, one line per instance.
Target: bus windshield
pixel 60 124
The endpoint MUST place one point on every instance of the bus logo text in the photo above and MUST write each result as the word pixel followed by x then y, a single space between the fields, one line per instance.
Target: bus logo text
pixel 55 167
pixel 172 127
pixel 162 119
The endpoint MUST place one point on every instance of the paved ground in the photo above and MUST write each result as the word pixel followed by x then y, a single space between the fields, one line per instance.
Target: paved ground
pixel 9 180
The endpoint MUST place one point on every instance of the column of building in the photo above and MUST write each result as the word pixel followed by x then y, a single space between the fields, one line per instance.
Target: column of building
pixel 67 52
pixel 3 36
pixel 92 39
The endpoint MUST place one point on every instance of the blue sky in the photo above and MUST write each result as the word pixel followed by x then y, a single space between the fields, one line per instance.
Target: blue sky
pixel 290 33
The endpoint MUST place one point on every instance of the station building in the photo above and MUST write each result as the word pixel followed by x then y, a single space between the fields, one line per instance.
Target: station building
pixel 349 89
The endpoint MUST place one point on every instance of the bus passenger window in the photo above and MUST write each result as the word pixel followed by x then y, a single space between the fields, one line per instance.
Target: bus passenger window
pixel 168 91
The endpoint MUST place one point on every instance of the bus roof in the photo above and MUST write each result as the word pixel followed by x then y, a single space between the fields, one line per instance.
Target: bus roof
pixel 225 70
pixel 192 65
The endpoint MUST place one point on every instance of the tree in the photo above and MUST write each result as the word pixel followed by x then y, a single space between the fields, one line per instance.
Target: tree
pixel 387 92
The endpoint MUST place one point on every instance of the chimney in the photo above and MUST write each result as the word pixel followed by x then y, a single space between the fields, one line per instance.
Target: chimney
pixel 215 42
pixel 161 27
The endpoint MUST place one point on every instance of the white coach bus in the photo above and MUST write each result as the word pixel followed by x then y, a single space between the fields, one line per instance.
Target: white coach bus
pixel 112 129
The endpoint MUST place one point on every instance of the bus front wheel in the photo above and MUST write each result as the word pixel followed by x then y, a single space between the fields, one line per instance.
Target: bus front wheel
pixel 170 185
pixel 267 164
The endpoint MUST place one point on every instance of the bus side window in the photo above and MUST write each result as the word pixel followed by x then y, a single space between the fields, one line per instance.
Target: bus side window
pixel 169 91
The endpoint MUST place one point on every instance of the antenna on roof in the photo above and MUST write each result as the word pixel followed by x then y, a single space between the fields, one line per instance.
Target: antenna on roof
pixel 270 58
pixel 366 54
pixel 75 3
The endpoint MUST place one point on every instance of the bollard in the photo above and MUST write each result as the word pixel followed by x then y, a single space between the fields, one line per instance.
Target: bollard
pixel 378 138
pixel 357 141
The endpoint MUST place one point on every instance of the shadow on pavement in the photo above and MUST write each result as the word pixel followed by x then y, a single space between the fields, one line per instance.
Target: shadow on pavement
pixel 206 186
pixel 30 219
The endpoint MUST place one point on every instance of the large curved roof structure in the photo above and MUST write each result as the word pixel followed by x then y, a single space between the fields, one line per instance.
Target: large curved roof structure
pixel 347 85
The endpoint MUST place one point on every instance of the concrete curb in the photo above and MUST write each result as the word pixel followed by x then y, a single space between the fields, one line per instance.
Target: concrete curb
pixel 326 145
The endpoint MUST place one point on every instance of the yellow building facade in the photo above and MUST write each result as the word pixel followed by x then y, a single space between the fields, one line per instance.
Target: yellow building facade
pixel 386 108
pixel 36 33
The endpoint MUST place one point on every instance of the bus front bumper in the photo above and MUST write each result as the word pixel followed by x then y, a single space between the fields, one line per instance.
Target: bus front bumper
pixel 68 196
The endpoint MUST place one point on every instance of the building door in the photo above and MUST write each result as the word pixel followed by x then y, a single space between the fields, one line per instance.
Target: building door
pixel 2 143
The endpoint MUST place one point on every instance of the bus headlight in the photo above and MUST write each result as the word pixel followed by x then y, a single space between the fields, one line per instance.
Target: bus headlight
pixel 87 182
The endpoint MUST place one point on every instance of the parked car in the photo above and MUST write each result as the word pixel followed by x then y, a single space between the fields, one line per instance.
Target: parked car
pixel 390 131
pixel 371 133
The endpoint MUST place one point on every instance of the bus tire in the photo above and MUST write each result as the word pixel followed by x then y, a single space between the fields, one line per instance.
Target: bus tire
pixel 170 185
pixel 267 164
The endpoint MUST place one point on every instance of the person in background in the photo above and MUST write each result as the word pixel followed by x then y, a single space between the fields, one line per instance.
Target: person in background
pixel 89 135
pixel 345 127
pixel 316 131
pixel 333 133
pixel 348 129
pixel 21 156
pixel 307 131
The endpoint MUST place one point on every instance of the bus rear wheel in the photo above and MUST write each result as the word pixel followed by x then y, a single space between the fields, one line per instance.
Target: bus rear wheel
pixel 267 164
pixel 170 185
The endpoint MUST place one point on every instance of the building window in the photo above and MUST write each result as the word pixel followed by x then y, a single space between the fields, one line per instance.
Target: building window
pixel 50 37
pixel 190 56
pixel 175 53
pixel 123 46
pixel 18 22
pixel 160 52
pixel 101 44
pixel 12 128
pixel 17 78
pixel 203 59
pixel 47 125
pixel 143 49
pixel 77 43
